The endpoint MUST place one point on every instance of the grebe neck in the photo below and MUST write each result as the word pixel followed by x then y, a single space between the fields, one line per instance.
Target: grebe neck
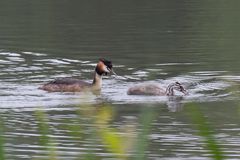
pixel 169 90
pixel 97 81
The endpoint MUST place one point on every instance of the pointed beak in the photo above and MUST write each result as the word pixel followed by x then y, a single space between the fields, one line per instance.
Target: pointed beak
pixel 185 92
pixel 111 71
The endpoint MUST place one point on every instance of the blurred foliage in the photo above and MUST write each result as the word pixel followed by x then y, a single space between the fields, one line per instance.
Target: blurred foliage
pixel 147 117
pixel 124 143
pixel 128 142
pixel 2 152
pixel 109 136
pixel 205 131
pixel 44 139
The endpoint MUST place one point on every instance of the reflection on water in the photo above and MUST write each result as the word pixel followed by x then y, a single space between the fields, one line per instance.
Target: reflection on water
pixel 195 43
pixel 171 134
pixel 171 137
pixel 22 75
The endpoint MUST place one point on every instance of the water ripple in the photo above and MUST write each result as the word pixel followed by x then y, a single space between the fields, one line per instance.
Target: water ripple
pixel 20 81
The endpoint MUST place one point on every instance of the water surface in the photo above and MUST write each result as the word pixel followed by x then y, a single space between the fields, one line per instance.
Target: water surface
pixel 195 43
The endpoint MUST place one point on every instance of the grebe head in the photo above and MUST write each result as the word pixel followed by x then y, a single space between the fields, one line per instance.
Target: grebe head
pixel 180 88
pixel 104 67
pixel 176 86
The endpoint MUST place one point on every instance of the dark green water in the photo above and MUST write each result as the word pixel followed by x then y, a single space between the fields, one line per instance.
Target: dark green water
pixel 193 42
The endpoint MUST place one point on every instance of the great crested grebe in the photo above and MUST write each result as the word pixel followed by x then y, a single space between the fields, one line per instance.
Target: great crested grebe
pixel 75 85
pixel 154 89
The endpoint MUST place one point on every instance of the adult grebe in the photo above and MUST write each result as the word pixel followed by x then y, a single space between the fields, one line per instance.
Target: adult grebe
pixel 75 85
pixel 154 89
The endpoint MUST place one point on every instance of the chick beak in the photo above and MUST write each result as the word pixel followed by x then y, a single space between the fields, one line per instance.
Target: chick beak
pixel 185 92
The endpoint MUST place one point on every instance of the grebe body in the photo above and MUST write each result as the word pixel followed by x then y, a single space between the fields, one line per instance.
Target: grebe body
pixel 156 90
pixel 75 85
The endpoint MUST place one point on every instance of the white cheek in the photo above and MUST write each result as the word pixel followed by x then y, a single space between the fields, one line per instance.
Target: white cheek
pixel 105 69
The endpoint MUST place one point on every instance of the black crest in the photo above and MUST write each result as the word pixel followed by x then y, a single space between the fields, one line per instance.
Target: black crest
pixel 106 62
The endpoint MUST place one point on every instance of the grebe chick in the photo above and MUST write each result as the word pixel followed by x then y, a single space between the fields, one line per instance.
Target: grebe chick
pixel 75 85
pixel 154 89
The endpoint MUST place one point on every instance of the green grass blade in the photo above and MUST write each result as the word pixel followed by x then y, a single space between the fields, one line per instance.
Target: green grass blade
pixel 204 131
pixel 147 117
pixel 44 139
pixel 2 152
